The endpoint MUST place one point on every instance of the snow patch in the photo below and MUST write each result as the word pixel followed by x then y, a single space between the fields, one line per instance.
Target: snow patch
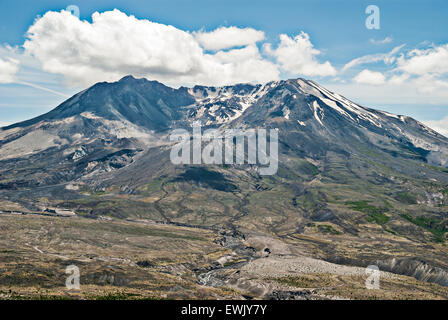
pixel 317 108
pixel 286 113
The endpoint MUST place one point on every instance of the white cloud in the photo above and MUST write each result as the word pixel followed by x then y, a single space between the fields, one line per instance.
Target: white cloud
pixel 370 77
pixel 228 37
pixel 114 45
pixel 399 79
pixel 387 58
pixel 298 56
pixel 421 62
pixel 8 70
pixel 428 83
pixel 383 41
pixel 427 68
pixel 441 126
pixel 36 86
pixel 423 70
pixel 246 63
pixel 387 94
pixel 26 71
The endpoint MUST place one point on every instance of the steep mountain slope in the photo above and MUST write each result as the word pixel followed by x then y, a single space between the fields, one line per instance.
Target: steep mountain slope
pixel 148 104
pixel 100 128
pixel 354 185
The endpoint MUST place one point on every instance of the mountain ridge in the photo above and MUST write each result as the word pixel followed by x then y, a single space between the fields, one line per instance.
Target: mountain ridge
pixel 137 110
pixel 241 87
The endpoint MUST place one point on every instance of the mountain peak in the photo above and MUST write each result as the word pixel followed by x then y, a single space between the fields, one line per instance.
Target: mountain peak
pixel 130 78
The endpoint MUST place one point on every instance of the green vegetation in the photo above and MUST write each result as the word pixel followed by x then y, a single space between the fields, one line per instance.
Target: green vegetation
pixel 381 166
pixel 207 178
pixel 379 218
pixel 390 231
pixel 98 192
pixel 8 251
pixel 311 200
pixel 437 227
pixel 441 169
pixel 82 213
pixel 92 192
pixel 231 262
pixel 375 214
pixel 154 185
pixel 406 197
pixel 329 229
pixel 12 295
pixel 362 206
pixel 116 296
pixel 308 168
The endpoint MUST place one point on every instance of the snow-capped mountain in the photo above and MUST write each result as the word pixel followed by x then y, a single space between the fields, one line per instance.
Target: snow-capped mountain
pixel 106 126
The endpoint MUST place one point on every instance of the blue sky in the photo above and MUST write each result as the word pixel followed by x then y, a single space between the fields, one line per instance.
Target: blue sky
pixel 396 81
